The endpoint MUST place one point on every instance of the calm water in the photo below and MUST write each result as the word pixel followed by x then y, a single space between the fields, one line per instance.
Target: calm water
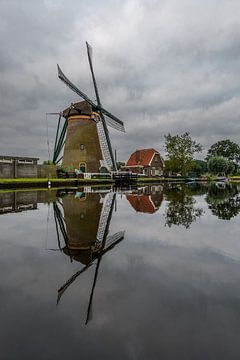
pixel 151 273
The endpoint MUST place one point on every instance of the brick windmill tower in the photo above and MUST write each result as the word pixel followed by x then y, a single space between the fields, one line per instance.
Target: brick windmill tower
pixel 84 138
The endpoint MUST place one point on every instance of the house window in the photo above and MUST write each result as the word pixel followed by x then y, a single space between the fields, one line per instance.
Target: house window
pixel 82 146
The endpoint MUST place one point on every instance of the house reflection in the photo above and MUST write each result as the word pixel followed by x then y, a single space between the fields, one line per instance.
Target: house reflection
pixel 17 201
pixel 82 221
pixel 147 199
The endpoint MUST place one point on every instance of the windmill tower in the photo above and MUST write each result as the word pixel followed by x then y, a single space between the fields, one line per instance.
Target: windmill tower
pixel 84 137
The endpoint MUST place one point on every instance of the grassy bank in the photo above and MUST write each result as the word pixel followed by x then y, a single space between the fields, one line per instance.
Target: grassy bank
pixel 44 183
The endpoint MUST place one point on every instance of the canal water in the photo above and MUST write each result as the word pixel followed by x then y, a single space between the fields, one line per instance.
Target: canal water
pixel 146 273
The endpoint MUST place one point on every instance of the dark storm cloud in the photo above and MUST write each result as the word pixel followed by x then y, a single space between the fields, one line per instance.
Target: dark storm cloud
pixel 162 66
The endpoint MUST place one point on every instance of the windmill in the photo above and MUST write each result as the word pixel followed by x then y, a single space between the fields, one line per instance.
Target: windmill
pixel 87 247
pixel 84 136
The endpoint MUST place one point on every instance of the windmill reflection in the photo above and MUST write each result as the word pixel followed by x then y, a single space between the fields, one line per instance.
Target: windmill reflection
pixel 83 220
pixel 147 199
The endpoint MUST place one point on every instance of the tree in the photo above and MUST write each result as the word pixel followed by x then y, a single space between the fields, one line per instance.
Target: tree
pixel 120 164
pixel 47 162
pixel 226 149
pixel 220 166
pixel 199 167
pixel 180 150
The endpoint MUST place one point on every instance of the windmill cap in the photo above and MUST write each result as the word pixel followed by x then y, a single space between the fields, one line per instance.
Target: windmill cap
pixel 78 108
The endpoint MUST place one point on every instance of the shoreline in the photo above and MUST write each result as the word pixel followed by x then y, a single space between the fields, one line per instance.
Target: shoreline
pixel 54 183
pixel 43 183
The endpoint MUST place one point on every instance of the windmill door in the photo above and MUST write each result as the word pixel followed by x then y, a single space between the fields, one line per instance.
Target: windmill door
pixel 82 167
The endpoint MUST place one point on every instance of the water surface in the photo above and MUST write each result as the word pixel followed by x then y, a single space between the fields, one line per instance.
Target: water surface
pixel 148 273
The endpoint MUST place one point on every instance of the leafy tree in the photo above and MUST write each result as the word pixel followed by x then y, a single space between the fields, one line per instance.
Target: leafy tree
pixel 180 150
pixel 220 166
pixel 120 164
pixel 226 149
pixel 47 162
pixel 199 167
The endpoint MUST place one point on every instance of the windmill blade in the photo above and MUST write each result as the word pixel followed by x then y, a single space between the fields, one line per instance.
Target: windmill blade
pixel 64 287
pixel 112 240
pixel 73 87
pixel 106 140
pixel 115 124
pixel 104 145
pixel 89 52
pixel 59 221
pixel 108 244
pixel 106 215
pixel 113 120
pixel 89 309
pixel 56 138
pixel 106 150
pixel 60 142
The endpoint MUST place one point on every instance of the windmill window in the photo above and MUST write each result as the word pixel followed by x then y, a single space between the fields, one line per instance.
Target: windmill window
pixel 82 147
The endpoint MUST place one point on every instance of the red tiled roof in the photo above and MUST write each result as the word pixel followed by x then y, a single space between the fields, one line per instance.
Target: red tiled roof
pixel 141 157
pixel 142 203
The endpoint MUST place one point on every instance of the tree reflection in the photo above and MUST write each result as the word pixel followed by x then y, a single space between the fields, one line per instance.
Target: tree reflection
pixel 181 208
pixel 223 200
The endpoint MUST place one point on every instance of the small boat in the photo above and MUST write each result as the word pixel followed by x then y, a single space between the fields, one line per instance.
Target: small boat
pixel 222 179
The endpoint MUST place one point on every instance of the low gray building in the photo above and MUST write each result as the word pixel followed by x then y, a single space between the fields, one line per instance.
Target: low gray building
pixel 18 167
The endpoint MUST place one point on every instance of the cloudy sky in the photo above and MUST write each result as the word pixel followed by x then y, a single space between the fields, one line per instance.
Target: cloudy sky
pixel 161 65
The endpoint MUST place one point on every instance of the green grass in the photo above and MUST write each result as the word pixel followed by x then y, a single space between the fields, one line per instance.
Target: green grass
pixel 54 180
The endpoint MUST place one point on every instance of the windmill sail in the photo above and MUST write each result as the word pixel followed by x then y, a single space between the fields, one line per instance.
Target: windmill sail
pixel 89 52
pixel 114 122
pixel 104 146
pixel 105 140
pixel 104 218
pixel 73 87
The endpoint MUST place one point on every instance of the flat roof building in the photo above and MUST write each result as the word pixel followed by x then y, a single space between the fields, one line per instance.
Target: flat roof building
pixel 18 167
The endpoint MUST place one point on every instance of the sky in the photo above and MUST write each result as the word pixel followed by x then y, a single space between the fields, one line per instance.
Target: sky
pixel 162 66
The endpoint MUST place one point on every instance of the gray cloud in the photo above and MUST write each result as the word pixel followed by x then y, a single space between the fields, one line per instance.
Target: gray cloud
pixel 161 66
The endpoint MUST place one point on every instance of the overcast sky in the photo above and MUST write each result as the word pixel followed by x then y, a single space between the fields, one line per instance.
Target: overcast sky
pixel 164 66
